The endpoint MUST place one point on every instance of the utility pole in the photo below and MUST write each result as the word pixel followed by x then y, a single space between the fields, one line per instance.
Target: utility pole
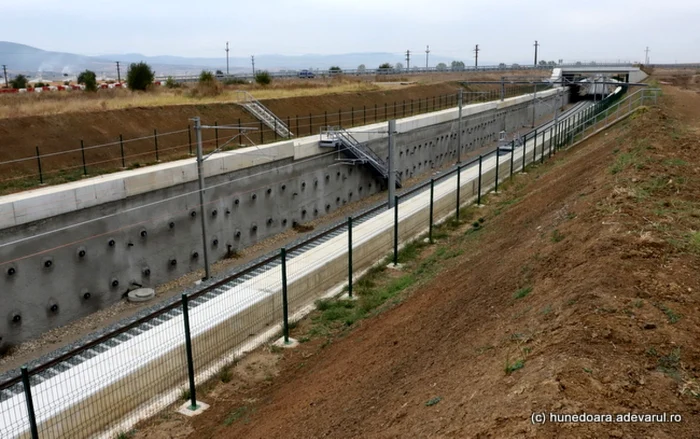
pixel 4 70
pixel 227 58
pixel 252 58
pixel 536 46
pixel 427 56
pixel 646 59
pixel 408 60
pixel 476 57
pixel 119 74
pixel 200 172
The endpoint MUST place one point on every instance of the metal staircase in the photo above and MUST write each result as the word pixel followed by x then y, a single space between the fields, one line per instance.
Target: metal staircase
pixel 254 107
pixel 359 153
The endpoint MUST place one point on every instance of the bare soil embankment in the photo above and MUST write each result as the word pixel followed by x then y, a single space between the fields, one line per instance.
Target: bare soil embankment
pixel 578 294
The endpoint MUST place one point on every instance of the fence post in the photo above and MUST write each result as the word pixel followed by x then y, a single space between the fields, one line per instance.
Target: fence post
pixel 275 129
pixel 375 112
pixel 285 302
pixel 396 230
pixel 30 403
pixel 189 137
pixel 430 227
pixel 296 116
pixel 262 138
pixel 411 107
pixel 459 188
pixel 82 151
pixel 350 256
pixel 188 349
pixel 352 116
pixel 524 151
pixel 325 118
pixel 551 135
pixel 498 165
pixel 478 195
pixel 155 141
pixel 289 125
pixel 534 147
pixel 216 132
pixel 512 157
pixel 311 130
pixel 386 115
pixel 364 114
pixel 38 160
pixel 121 146
pixel 340 118
pixel 543 143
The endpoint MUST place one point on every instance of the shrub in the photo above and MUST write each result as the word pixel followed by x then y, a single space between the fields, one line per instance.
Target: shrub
pixel 386 65
pixel 170 83
pixel 20 81
pixel 263 77
pixel 140 76
pixel 206 77
pixel 39 85
pixel 235 81
pixel 207 86
pixel 88 79
pixel 335 70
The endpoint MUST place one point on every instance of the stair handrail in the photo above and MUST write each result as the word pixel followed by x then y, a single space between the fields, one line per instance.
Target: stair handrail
pixel 243 97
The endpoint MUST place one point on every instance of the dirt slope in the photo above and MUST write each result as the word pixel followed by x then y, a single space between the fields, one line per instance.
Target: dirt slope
pixel 580 295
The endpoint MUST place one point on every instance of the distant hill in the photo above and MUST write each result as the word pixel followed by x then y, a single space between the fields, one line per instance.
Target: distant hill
pixel 35 62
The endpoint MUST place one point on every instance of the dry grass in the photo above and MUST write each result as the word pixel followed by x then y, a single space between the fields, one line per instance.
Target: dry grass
pixel 51 103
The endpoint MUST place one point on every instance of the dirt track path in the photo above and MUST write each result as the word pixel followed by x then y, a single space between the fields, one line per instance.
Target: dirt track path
pixel 595 333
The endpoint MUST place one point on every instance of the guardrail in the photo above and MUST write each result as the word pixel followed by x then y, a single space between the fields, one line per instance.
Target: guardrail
pixel 111 382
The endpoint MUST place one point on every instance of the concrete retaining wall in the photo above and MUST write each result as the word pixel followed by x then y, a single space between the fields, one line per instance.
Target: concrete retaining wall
pixel 143 226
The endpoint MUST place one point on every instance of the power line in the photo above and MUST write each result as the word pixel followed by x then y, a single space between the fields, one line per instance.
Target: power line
pixel 408 60
pixel 119 75
pixel 252 58
pixel 476 56
pixel 427 56
pixel 536 46
pixel 4 69
pixel 646 59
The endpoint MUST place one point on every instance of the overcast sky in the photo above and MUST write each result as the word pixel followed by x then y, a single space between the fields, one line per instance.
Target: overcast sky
pixel 505 30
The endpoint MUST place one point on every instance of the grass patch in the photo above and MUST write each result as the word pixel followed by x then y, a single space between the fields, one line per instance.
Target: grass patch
pixel 625 160
pixel 522 293
pixel 225 375
pixel 185 394
pixel 557 236
pixel 671 315
pixel 675 162
pixel 433 401
pixel 235 415
pixel 512 367
pixel 670 364
pixel 125 434
pixel 694 241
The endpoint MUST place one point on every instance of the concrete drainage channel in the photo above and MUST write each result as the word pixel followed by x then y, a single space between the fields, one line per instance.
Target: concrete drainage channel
pixel 111 384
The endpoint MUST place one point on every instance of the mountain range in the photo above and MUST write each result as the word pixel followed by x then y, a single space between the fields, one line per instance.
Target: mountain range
pixel 20 58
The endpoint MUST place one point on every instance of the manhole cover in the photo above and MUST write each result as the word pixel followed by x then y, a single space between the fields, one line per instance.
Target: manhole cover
pixel 141 295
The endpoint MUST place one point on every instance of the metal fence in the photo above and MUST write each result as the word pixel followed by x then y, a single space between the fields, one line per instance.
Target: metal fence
pixel 89 160
pixel 111 382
